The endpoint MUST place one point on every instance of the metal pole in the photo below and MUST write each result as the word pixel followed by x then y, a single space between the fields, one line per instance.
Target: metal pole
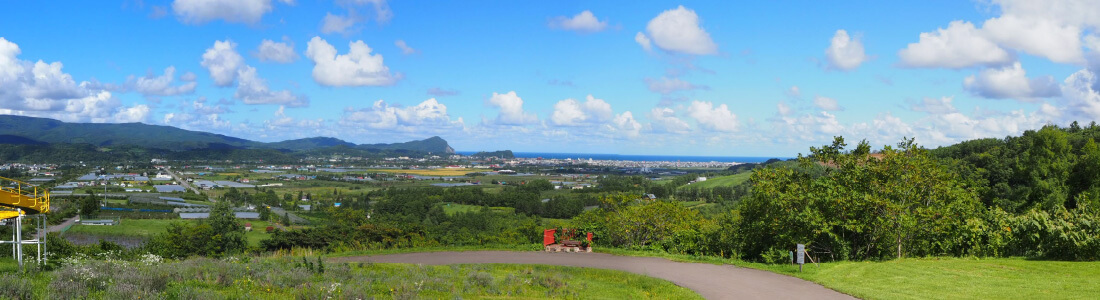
pixel 19 239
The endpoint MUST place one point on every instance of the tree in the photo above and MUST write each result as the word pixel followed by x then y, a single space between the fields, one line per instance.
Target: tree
pixel 222 219
pixel 286 219
pixel 89 205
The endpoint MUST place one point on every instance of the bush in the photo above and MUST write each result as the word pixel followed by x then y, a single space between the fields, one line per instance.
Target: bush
pixel 13 286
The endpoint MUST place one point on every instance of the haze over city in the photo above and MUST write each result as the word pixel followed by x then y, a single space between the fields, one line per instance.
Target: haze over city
pixel 677 78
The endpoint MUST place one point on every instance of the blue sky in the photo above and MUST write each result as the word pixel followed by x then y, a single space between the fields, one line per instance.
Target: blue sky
pixel 685 78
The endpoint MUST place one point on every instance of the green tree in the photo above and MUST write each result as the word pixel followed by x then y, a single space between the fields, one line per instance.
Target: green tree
pixel 89 205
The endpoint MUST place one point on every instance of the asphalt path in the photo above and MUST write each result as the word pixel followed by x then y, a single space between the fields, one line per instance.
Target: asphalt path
pixel 710 281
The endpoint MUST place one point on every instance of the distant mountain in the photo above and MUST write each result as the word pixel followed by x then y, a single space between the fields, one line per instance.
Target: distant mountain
pixel 29 130
pixel 137 134
pixel 308 143
pixel 506 154
pixel 433 144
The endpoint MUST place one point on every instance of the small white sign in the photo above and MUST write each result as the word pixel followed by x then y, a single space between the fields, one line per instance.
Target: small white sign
pixel 801 254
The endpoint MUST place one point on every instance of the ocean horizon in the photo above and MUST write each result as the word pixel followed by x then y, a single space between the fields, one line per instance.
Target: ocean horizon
pixel 637 157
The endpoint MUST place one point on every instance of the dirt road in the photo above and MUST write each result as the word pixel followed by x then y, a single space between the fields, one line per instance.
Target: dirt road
pixel 710 281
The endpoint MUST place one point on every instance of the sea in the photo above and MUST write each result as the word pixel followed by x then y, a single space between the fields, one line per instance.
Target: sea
pixel 595 156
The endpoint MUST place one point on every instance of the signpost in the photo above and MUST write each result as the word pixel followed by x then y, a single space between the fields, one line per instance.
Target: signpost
pixel 801 258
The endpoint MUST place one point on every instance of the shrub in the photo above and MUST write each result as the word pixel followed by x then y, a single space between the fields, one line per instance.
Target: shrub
pixel 13 286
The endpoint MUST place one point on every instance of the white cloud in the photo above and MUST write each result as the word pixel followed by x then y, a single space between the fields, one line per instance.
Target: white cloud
pixel 41 89
pixel 511 109
pixel 664 120
pixel 644 41
pixel 845 53
pixel 570 112
pixel 188 76
pixel 959 46
pixel 1081 95
pixel 232 11
pixel 276 52
pixel 714 118
pixel 667 85
pixel 423 116
pixel 827 104
pixel 625 124
pixel 405 49
pixel 336 24
pixel 282 122
pixel 1010 82
pixel 678 30
pixel 357 68
pixel 151 86
pixel 584 22
pixel 252 89
pixel 1041 37
pixel 222 61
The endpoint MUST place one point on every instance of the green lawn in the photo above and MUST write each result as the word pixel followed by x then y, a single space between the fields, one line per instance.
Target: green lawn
pixel 959 278
pixel 147 228
pixel 935 278
pixel 729 180
pixel 126 227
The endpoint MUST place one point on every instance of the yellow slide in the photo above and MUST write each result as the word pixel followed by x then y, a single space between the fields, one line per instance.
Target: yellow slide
pixel 16 194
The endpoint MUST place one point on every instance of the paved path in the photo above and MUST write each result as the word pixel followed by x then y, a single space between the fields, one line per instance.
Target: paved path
pixel 710 281
pixel 63 225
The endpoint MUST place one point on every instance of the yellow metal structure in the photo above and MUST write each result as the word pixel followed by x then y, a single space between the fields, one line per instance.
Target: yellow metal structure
pixel 17 195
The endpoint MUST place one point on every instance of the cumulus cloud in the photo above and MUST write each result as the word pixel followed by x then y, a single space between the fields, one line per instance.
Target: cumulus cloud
pixel 41 89
pixel 667 85
pixel 1080 93
pixel 282 122
pixel 711 117
pixel 643 41
pixel 1010 82
pixel 152 86
pixel 961 45
pixel 232 11
pixel 782 108
pixel 276 52
pixel 845 53
pixel 252 89
pixel 222 61
pixel 584 22
pixel 511 109
pixel 626 125
pixel 678 30
pixel 664 120
pixel 357 68
pixel 827 104
pixel 381 115
pixel 570 112
pixel 405 49
pixel 1043 37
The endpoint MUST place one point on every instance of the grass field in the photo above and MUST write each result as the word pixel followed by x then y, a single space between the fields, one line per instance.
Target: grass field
pixel 126 227
pixel 147 228
pixel 730 180
pixel 429 172
pixel 936 278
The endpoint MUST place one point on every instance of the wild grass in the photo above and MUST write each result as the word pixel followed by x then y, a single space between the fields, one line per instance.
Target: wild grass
pixel 729 180
pixel 311 278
